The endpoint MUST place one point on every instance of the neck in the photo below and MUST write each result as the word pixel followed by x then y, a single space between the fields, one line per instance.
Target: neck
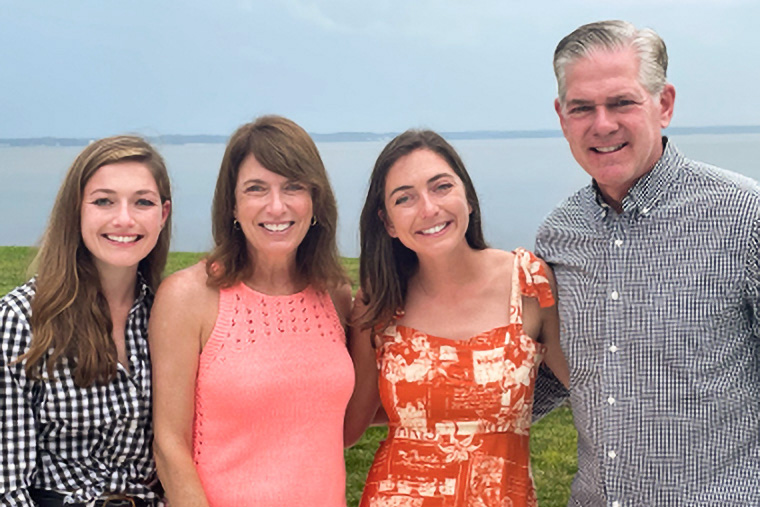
pixel 441 273
pixel 118 286
pixel 276 278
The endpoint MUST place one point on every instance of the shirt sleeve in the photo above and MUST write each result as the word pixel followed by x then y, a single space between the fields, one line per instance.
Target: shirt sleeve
pixel 752 278
pixel 18 432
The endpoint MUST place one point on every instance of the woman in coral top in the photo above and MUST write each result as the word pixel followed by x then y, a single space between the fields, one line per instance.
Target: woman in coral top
pixel 448 336
pixel 251 371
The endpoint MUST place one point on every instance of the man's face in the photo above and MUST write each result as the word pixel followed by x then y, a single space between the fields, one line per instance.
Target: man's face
pixel 612 123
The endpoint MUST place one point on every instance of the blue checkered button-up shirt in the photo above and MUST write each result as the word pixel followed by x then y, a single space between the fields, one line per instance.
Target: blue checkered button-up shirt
pixel 660 320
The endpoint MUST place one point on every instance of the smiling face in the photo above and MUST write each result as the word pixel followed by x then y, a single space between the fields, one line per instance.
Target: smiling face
pixel 612 124
pixel 274 212
pixel 122 215
pixel 425 204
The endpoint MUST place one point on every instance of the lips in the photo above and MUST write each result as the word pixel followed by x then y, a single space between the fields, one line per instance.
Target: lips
pixel 609 149
pixel 123 238
pixel 435 229
pixel 277 227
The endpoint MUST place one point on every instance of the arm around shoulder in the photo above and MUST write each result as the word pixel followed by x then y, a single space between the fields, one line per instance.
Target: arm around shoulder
pixel 181 319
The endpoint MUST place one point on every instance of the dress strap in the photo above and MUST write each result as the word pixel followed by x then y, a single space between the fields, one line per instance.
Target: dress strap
pixel 528 279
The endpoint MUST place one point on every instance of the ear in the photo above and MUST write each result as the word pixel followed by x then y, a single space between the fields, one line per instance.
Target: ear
pixel 667 103
pixel 166 207
pixel 558 110
pixel 387 223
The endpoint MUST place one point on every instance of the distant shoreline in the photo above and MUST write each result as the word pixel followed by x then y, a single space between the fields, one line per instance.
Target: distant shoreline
pixel 344 137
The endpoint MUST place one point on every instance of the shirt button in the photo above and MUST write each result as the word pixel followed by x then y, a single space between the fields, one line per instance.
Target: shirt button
pixel 614 295
pixel 613 348
pixel 644 211
pixel 612 454
pixel 615 504
pixel 618 242
pixel 611 400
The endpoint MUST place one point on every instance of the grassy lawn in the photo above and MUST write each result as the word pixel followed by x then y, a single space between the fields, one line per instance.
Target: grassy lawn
pixel 553 439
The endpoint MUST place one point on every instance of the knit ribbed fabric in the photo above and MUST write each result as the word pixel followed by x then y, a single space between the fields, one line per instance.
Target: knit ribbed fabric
pixel 273 383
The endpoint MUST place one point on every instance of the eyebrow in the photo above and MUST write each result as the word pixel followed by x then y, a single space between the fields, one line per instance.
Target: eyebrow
pixel 606 101
pixel 113 192
pixel 430 180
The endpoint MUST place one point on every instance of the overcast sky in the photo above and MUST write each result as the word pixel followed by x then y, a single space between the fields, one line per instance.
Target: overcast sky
pixel 100 67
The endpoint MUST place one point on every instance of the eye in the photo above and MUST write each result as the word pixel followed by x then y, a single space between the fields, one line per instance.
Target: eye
pixel 623 104
pixel 401 199
pixel 442 187
pixel 145 202
pixel 255 187
pixel 580 110
pixel 294 186
pixel 102 201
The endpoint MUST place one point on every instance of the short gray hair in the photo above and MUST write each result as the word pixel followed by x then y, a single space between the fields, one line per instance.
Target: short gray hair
pixel 612 36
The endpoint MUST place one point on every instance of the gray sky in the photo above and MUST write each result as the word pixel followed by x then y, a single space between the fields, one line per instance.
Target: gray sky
pixel 99 67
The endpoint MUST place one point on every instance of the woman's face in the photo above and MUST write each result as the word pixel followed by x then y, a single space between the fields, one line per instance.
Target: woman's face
pixel 122 214
pixel 274 212
pixel 425 202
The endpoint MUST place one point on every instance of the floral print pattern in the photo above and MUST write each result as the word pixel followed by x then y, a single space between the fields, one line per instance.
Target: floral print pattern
pixel 460 411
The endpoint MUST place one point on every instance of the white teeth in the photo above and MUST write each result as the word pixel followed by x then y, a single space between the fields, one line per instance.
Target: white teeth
pixel 122 239
pixel 276 227
pixel 609 149
pixel 434 229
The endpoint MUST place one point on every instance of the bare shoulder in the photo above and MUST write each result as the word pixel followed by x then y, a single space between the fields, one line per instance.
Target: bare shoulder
pixel 187 285
pixel 498 263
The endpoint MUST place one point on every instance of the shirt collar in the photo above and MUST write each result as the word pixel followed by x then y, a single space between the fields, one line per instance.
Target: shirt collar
pixel 648 190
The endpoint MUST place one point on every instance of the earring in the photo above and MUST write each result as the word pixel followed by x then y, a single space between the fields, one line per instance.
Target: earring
pixel 313 220
pixel 235 224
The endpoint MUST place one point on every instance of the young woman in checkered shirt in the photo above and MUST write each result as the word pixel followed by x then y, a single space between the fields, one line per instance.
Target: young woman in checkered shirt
pixel 75 368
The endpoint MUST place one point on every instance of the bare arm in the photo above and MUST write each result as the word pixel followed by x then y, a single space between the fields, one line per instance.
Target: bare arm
pixel 549 336
pixel 178 327
pixel 365 400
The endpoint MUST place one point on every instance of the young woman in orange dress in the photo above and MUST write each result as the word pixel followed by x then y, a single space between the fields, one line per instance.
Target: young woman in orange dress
pixel 448 336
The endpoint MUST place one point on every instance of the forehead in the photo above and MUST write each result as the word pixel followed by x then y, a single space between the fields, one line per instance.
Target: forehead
pixel 122 176
pixel 417 168
pixel 251 169
pixel 603 74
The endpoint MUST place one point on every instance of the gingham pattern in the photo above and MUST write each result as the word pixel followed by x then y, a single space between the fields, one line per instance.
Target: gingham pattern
pixel 55 435
pixel 659 308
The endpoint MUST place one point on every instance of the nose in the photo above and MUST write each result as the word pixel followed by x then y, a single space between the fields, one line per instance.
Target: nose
pixel 428 205
pixel 123 217
pixel 605 122
pixel 276 203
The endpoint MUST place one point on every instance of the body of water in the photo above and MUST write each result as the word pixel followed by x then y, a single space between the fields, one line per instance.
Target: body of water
pixel 518 182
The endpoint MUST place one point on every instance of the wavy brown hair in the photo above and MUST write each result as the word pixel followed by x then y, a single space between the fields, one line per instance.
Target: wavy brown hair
pixel 70 314
pixel 385 264
pixel 284 148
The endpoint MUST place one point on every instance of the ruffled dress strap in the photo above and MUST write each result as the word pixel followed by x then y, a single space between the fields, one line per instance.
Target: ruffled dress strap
pixel 533 279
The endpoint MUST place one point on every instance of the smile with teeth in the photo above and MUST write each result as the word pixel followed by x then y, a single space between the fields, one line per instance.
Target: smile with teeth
pixel 277 227
pixel 122 239
pixel 609 149
pixel 435 228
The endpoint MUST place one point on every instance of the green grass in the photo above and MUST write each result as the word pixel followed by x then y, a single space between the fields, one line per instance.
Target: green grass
pixel 553 439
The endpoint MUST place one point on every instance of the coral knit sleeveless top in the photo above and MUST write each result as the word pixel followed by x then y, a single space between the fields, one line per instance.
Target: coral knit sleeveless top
pixel 273 383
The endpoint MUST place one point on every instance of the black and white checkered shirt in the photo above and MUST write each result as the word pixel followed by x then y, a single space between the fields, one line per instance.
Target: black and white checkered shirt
pixel 660 324
pixel 86 442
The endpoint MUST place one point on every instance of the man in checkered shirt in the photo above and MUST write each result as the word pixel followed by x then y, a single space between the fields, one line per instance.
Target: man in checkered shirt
pixel 659 290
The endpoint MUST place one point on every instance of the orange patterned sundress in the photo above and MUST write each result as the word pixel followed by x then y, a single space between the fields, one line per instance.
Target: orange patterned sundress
pixel 460 411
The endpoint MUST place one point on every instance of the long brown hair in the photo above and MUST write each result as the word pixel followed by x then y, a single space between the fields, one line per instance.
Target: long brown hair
pixel 281 146
pixel 385 264
pixel 70 314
